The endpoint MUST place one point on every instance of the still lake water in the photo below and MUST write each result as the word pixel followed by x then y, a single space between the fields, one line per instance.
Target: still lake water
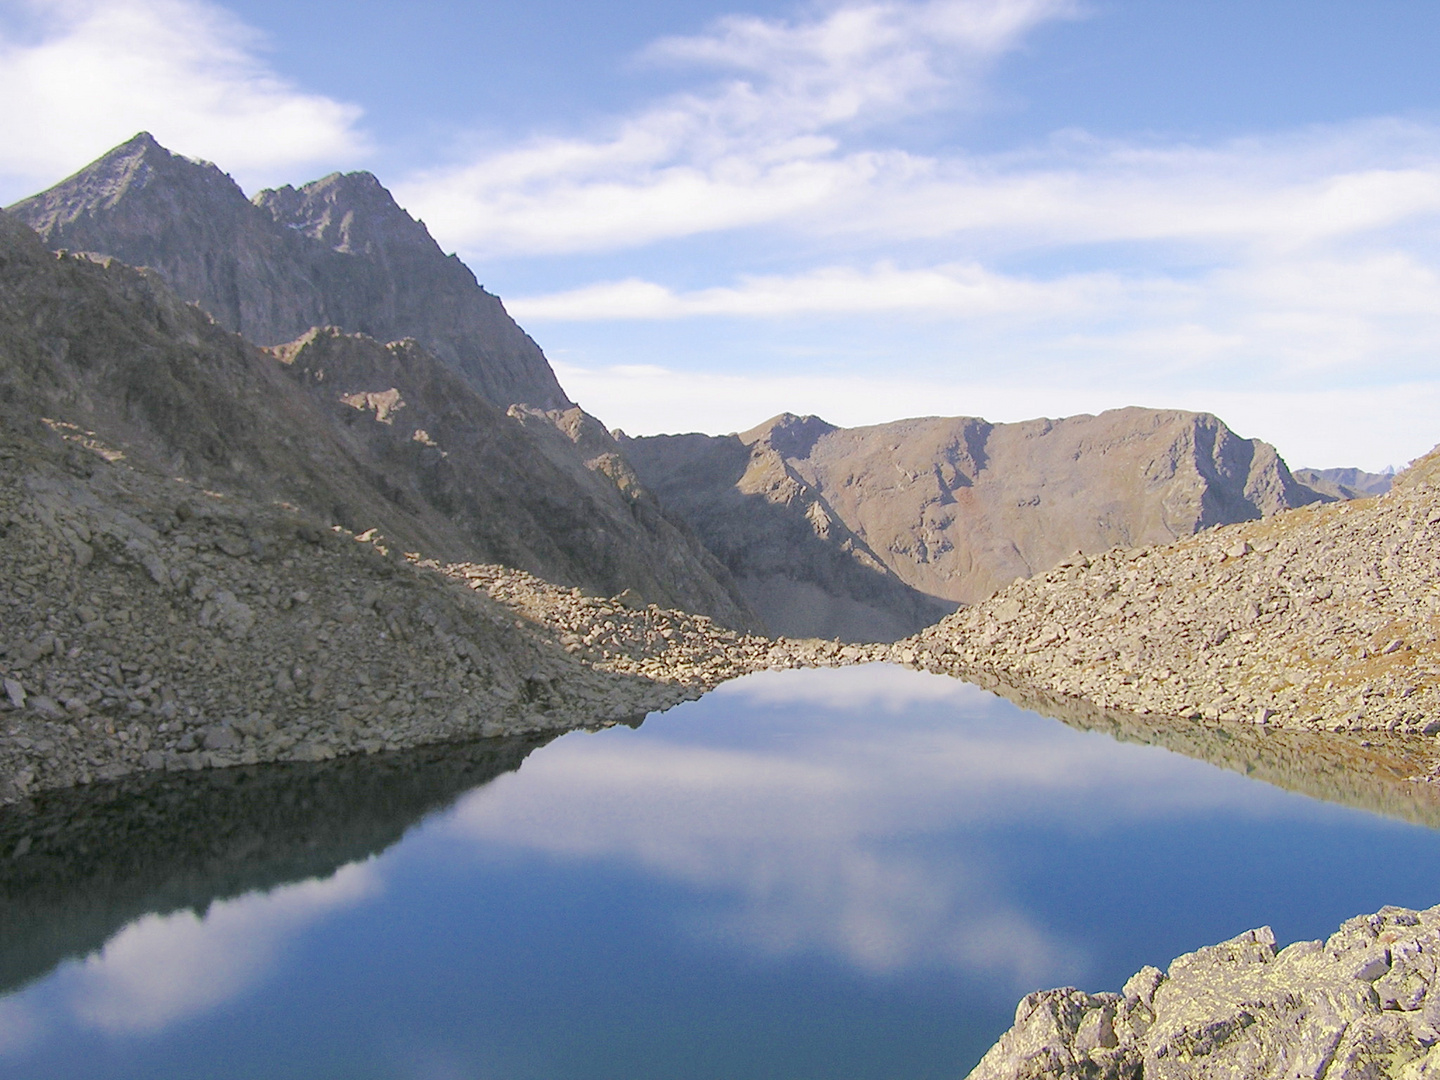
pixel 817 874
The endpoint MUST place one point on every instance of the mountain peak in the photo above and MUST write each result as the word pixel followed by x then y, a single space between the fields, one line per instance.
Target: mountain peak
pixel 348 212
pixel 789 434
pixel 339 251
pixel 140 171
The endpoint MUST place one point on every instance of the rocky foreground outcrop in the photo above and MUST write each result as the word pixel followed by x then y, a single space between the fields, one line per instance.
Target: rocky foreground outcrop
pixel 1322 618
pixel 899 520
pixel 1358 1006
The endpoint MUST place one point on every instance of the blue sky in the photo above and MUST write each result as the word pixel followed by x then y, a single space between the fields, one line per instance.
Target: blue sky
pixel 709 212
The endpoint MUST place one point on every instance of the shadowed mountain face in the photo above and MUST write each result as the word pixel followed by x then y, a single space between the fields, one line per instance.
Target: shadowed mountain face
pixel 801 567
pixel 94 859
pixel 354 432
pixel 933 510
pixel 337 252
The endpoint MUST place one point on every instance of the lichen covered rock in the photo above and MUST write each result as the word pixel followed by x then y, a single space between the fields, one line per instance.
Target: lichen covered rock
pixel 1358 1006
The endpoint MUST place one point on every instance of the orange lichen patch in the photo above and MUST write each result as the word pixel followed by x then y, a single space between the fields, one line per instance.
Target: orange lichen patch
pixel 384 403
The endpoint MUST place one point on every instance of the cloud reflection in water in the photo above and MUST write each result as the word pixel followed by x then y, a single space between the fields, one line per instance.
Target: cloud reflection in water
pixel 19 1026
pixel 874 817
pixel 163 968
pixel 824 839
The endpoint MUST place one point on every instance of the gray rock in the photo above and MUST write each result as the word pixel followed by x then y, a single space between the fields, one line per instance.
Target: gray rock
pixel 338 252
pixel 47 707
pixel 219 738
pixel 1241 1011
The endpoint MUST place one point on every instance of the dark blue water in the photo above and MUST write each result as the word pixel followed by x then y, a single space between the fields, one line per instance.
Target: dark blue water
pixel 839 874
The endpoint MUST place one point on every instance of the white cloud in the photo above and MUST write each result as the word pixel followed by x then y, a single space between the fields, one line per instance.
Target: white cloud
pixel 807 843
pixel 1255 195
pixel 855 60
pixel 762 147
pixel 963 290
pixel 80 76
pixel 787 145
pixel 162 968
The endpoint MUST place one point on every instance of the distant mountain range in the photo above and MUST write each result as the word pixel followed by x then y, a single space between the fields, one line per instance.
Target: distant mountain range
pixel 1346 483
pixel 849 531
pixel 398 394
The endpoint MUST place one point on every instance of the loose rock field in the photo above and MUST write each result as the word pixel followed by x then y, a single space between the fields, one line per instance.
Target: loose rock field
pixel 148 624
pixel 1322 618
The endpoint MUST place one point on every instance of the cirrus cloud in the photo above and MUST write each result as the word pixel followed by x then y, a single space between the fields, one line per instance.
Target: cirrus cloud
pixel 953 289
pixel 765 145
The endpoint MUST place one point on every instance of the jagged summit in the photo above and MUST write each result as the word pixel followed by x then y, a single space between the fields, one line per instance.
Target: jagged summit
pixel 337 252
pixel 138 165
pixel 351 213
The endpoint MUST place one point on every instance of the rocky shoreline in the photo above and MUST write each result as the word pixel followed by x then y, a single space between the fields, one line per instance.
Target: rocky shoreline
pixel 148 624
pixel 1357 1005
pixel 1325 618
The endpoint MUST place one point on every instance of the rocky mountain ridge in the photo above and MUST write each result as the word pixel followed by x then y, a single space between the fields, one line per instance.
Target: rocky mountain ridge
pixel 800 567
pixel 901 520
pixel 1346 483
pixel 336 252
pixel 350 431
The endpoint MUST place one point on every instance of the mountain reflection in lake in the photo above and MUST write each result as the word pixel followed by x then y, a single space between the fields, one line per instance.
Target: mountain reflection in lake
pixel 846 873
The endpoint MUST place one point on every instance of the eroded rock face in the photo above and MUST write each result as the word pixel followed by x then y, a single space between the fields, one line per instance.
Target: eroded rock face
pixel 949 508
pixel 1358 1005
pixel 336 252
pixel 801 567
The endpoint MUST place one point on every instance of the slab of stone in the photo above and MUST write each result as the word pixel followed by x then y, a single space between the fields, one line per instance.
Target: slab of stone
pixel 1357 1006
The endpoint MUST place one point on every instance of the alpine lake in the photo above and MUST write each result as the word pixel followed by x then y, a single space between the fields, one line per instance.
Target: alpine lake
pixel 852 873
